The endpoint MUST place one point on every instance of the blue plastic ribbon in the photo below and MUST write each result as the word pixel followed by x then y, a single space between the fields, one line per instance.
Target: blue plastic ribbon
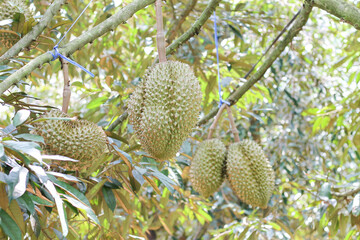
pixel 218 65
pixel 57 54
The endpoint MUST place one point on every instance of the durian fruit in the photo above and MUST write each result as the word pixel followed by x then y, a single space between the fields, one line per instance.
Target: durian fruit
pixel 164 108
pixel 249 173
pixel 207 167
pixel 78 139
pixel 8 8
pixel 8 39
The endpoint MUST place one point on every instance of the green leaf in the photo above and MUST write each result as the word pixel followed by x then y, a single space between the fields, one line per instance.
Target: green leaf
pixel 9 226
pixel 96 102
pixel 164 179
pixel 50 186
pixel 109 198
pixel 30 148
pixel 76 193
pixel 325 190
pixel 2 150
pixel 27 202
pixel 90 213
pixel 31 137
pixel 21 182
pixel 356 205
pixel 20 117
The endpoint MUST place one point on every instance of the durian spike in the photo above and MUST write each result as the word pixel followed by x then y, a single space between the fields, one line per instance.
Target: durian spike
pixel 217 117
pixel 234 130
pixel 66 90
pixel 160 37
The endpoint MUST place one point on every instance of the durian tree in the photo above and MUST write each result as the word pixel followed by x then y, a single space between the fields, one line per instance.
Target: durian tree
pixel 143 150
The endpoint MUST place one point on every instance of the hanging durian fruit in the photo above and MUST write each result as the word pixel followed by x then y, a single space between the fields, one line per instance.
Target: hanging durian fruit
pixel 8 8
pixel 250 174
pixel 78 139
pixel 207 167
pixel 164 108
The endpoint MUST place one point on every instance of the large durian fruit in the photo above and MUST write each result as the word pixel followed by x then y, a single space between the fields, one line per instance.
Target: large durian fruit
pixel 207 167
pixel 249 173
pixel 78 139
pixel 164 108
pixel 8 8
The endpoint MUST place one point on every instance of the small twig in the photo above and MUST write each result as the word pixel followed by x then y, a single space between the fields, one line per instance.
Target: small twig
pixel 217 117
pixel 234 130
pixel 179 22
pixel 160 36
pixel 66 91
pixel 272 44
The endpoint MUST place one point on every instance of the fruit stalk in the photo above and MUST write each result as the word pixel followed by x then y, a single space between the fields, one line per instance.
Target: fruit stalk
pixel 66 90
pixel 160 36
pixel 217 117
pixel 232 124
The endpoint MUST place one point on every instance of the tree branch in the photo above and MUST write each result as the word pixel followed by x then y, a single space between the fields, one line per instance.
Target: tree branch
pixel 293 31
pixel 341 9
pixel 76 44
pixel 346 194
pixel 35 31
pixel 179 22
pixel 195 28
pixel 118 121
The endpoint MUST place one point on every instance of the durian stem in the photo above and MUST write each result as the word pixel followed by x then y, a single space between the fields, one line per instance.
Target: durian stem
pixel 160 36
pixel 66 90
pixel 217 117
pixel 234 130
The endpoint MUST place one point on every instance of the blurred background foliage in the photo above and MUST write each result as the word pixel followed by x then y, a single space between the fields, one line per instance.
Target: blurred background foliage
pixel 305 113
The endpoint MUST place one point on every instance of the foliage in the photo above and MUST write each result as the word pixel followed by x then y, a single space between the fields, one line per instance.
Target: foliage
pixel 305 114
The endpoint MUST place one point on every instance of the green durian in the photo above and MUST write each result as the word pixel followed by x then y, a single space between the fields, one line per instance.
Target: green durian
pixel 8 8
pixel 165 107
pixel 78 139
pixel 207 167
pixel 249 173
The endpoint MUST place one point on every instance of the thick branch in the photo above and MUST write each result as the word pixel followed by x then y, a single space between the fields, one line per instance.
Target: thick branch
pixel 76 44
pixel 34 33
pixel 293 31
pixel 180 21
pixel 341 9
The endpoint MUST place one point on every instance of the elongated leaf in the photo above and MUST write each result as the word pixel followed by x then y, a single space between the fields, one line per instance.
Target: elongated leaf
pixel 90 213
pixel 30 148
pixel 2 150
pixel 356 205
pixel 50 186
pixel 20 117
pixel 109 198
pixel 20 186
pixel 76 193
pixel 9 226
pixel 31 137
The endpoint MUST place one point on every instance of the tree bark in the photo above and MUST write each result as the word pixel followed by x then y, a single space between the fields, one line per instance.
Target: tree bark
pixel 341 9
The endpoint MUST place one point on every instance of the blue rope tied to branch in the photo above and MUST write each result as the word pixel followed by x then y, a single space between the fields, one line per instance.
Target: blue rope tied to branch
pixel 218 65
pixel 57 54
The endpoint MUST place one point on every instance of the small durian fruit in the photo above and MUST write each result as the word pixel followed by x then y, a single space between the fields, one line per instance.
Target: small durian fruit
pixel 207 167
pixel 78 139
pixel 165 107
pixel 8 8
pixel 249 173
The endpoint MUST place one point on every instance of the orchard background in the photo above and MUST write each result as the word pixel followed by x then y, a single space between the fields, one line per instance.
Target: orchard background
pixel 300 103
